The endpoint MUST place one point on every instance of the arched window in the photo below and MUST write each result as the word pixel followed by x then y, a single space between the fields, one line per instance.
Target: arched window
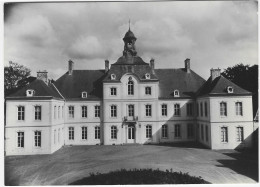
pixel 130 87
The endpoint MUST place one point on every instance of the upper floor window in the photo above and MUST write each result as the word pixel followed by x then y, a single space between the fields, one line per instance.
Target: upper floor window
pixel 84 110
pixel 148 110
pixel 148 131
pixel 240 134
pixel 30 92
pixel 206 109
pixel 147 76
pixel 130 86
pixel 239 109
pixel 58 112
pixel 148 90
pixel 176 93
pixel 113 111
pixel 113 132
pixel 177 110
pixel 55 112
pixel 131 110
pixel 62 111
pixel 189 109
pixel 71 133
pixel 165 131
pixel 84 94
pixel 201 109
pixel 224 134
pixel 223 109
pixel 97 111
pixel 177 131
pixel 71 111
pixel 38 112
pixel 112 91
pixel 20 112
pixel 20 139
pixel 230 89
pixel 37 138
pixel 164 110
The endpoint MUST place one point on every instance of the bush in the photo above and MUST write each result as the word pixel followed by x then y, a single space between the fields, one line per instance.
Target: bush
pixel 140 176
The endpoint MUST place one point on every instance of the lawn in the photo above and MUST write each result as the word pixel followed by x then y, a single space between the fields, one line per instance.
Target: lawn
pixel 74 163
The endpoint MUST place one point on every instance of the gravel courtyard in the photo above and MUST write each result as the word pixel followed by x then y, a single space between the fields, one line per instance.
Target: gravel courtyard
pixel 70 164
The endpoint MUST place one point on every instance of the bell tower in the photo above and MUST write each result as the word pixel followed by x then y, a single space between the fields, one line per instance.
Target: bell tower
pixel 129 47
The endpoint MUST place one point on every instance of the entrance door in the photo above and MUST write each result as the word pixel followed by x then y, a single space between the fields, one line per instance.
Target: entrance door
pixel 131 134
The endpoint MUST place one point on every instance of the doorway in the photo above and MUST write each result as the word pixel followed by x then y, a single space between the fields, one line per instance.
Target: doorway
pixel 131 134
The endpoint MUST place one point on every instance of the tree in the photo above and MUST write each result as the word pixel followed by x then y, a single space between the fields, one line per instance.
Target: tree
pixel 13 76
pixel 246 77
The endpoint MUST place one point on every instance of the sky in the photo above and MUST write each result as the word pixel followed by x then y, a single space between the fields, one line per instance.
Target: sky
pixel 213 34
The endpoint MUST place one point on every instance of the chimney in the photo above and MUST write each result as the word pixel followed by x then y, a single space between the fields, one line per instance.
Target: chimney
pixel 187 65
pixel 152 63
pixel 215 73
pixel 71 67
pixel 43 75
pixel 106 65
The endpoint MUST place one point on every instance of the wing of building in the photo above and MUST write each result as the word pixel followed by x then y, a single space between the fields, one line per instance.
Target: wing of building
pixel 129 101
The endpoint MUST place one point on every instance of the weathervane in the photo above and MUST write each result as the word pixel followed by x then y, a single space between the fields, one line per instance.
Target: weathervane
pixel 129 24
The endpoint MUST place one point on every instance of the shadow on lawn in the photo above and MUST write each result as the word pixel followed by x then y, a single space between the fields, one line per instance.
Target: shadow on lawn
pixel 244 162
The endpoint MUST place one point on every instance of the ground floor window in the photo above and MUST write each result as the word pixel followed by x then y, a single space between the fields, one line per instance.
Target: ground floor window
pixel 224 134
pixel 207 133
pixel 113 132
pixel 202 132
pixel 54 136
pixel 177 131
pixel 190 131
pixel 240 134
pixel 149 131
pixel 97 132
pixel 84 133
pixel 71 133
pixel 20 139
pixel 164 131
pixel 37 138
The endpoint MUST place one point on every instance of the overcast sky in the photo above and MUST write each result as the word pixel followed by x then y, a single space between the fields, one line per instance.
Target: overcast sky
pixel 44 36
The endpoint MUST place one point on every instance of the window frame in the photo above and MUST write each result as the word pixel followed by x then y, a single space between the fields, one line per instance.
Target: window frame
pixel 71 132
pixel 113 111
pixel 148 90
pixel 239 109
pixel 240 133
pixel 177 109
pixel 130 87
pixel 224 134
pixel 37 113
pixel 113 91
pixel 223 109
pixel 37 139
pixel 164 110
pixel 84 133
pixel 113 131
pixel 71 111
pixel 21 113
pixel 189 109
pixel 84 111
pixel 20 139
pixel 148 110
pixel 190 131
pixel 165 131
pixel 149 131
pixel 131 111
pixel 97 109
pixel 177 131
pixel 97 132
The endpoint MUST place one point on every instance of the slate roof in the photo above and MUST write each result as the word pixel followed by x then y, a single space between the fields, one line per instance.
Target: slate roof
pixel 136 60
pixel 218 87
pixel 178 79
pixel 71 86
pixel 42 90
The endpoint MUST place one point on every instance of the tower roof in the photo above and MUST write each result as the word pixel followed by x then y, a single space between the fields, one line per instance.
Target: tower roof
pixel 129 34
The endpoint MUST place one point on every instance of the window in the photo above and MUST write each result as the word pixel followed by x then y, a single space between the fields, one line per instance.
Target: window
pixel 164 110
pixel 37 138
pixel 97 111
pixel 202 132
pixel 190 131
pixel 55 112
pixel 148 90
pixel 20 139
pixel 71 133
pixel 59 112
pixel 223 109
pixel 239 109
pixel 59 136
pixel 148 110
pixel 62 112
pixel 84 94
pixel 84 133
pixel 147 76
pixel 113 76
pixel 97 132
pixel 201 109
pixel 198 109
pixel 130 87
pixel 38 112
pixel 207 133
pixel 164 131
pixel 30 92
pixel 224 134
pixel 113 132
pixel 131 110
pixel 230 89
pixel 54 136
pixel 113 111
pixel 206 109
pixel 20 112
pixel 240 134
pixel 71 111
pixel 177 111
pixel 112 91
pixel 177 131
pixel 176 93
pixel 84 110
pixel 189 109
pixel 149 131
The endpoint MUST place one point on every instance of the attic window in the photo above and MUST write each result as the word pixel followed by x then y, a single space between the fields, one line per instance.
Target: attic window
pixel 113 76
pixel 30 93
pixel 147 76
pixel 230 89
pixel 176 93
pixel 84 94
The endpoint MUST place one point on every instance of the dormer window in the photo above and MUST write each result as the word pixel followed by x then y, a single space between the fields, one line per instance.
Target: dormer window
pixel 84 94
pixel 30 93
pixel 113 76
pixel 230 89
pixel 147 76
pixel 176 93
